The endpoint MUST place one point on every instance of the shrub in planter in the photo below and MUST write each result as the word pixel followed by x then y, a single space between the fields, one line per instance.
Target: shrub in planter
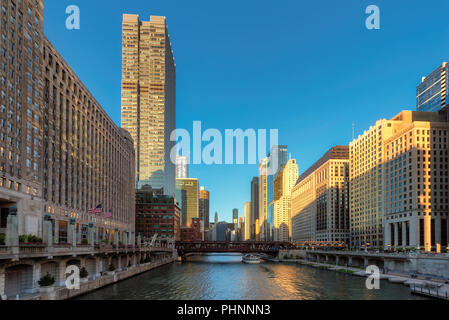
pixel 111 268
pixel 2 239
pixel 29 238
pixel 83 273
pixel 84 241
pixel 46 281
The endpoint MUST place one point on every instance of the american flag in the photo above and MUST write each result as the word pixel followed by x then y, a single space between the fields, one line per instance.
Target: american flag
pixel 97 209
pixel 108 214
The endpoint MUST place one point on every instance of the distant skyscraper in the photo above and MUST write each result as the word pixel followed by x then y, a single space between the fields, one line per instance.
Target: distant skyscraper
pixel 187 190
pixel 284 182
pixel 204 210
pixel 263 197
pixel 278 157
pixel 432 93
pixel 182 167
pixel 216 217
pixel 254 218
pixel 149 99
pixel 247 223
pixel 235 219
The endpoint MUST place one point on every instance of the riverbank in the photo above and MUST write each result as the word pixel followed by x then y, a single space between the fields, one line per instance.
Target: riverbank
pixel 62 293
pixel 430 288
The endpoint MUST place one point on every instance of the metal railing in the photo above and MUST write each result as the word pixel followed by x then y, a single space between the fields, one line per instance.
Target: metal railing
pixel 431 292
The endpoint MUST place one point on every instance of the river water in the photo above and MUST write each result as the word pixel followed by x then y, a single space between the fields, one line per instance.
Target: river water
pixel 225 277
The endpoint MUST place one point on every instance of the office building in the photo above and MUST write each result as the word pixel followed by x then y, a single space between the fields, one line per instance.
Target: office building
pixel 247 222
pixel 192 233
pixel 254 209
pixel 432 93
pixel 416 181
pixel 277 158
pixel 182 167
pixel 204 210
pixel 87 160
pixel 263 197
pixel 285 180
pixel 319 204
pixel 188 189
pixel 157 215
pixel 149 99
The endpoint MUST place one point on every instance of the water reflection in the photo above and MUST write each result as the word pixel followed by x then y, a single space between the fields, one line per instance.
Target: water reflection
pixel 225 277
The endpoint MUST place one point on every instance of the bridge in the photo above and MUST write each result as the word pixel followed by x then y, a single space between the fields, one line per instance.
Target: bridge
pixel 270 248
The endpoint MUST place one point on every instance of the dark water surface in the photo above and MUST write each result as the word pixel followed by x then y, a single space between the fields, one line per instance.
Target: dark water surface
pixel 225 277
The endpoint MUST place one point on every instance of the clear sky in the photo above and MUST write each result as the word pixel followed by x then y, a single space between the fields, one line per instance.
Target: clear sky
pixel 307 68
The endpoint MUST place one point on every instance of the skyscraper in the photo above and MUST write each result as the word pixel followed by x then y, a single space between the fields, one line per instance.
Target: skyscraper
pixel 149 99
pixel 182 167
pixel 277 158
pixel 188 188
pixel 235 219
pixel 283 183
pixel 254 218
pixel 319 201
pixel 432 92
pixel 204 210
pixel 247 223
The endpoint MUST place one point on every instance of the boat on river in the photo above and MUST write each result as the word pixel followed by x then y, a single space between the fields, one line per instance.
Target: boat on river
pixel 251 259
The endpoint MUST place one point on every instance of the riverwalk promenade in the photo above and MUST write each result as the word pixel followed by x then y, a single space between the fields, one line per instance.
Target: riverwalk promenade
pixel 420 285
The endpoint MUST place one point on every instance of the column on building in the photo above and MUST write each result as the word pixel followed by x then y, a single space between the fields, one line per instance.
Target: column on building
pixel 438 231
pixel 396 234
pixel 404 234
pixel 414 232
pixel 387 234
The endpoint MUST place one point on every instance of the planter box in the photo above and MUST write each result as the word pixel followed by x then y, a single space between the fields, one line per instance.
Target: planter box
pixel 110 273
pixel 84 280
pixel 46 289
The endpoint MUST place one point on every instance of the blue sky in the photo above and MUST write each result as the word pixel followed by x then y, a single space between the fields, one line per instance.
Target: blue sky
pixel 307 68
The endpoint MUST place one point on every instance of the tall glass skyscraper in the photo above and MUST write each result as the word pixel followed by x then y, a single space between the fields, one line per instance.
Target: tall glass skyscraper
pixel 278 157
pixel 431 94
pixel 149 99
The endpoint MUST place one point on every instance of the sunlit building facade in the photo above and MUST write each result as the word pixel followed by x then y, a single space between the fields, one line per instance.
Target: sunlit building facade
pixel 319 205
pixel 247 222
pixel 189 190
pixel 416 181
pixel 149 99
pixel 285 180
pixel 87 160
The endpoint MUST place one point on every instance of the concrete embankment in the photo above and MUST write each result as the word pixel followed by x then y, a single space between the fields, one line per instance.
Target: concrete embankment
pixel 433 286
pixel 62 293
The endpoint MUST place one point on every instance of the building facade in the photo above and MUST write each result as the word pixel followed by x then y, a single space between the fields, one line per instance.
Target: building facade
pixel 204 210
pixel 263 198
pixel 87 160
pixel 193 232
pixel 254 218
pixel 189 193
pixel 277 158
pixel 157 215
pixel 319 205
pixel 247 222
pixel 432 92
pixel 149 99
pixel 182 167
pixel 285 180
pixel 416 182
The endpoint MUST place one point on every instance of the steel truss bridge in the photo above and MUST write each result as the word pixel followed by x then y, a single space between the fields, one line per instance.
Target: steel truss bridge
pixel 270 248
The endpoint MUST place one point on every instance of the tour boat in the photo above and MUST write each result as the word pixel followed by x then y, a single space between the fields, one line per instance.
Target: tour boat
pixel 250 259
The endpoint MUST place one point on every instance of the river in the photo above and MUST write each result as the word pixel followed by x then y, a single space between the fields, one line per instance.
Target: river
pixel 225 277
